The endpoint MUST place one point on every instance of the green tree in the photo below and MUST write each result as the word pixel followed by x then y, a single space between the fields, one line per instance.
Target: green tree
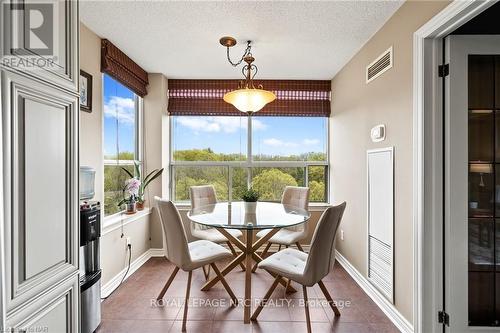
pixel 271 183
pixel 316 191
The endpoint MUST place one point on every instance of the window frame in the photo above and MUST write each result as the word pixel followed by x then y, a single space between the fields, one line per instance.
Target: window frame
pixel 139 141
pixel 249 163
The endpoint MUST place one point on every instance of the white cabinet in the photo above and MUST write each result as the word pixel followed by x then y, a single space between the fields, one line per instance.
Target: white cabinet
pixel 39 215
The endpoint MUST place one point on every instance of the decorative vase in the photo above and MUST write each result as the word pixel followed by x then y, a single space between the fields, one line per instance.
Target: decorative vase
pixel 139 205
pixel 131 209
pixel 250 207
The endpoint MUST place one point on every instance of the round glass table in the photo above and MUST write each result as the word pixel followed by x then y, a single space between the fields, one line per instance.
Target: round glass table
pixel 248 217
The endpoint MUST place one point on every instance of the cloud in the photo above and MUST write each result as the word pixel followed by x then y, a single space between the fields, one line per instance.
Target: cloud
pixel 278 143
pixel 121 108
pixel 218 124
pixel 310 142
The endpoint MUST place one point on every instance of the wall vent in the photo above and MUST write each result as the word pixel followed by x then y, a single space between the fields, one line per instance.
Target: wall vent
pixel 382 64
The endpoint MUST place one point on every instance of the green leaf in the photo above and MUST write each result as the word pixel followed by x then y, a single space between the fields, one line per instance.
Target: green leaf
pixel 137 170
pixel 128 172
pixel 156 174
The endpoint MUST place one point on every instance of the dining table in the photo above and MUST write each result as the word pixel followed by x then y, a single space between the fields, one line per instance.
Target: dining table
pixel 248 217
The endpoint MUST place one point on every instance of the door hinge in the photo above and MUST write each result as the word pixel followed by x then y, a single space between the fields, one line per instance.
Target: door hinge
pixel 443 318
pixel 444 70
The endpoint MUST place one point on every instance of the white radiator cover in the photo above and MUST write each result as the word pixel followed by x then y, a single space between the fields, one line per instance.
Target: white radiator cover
pixel 380 195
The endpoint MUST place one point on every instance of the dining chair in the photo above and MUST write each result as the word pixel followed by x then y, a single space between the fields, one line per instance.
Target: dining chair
pixel 307 269
pixel 297 197
pixel 201 196
pixel 187 256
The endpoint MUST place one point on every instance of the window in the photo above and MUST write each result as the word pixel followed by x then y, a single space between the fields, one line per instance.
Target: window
pixel 233 153
pixel 121 139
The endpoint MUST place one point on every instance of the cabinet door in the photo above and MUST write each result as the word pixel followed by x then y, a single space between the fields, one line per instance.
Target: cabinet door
pixel 41 38
pixel 41 200
pixel 54 312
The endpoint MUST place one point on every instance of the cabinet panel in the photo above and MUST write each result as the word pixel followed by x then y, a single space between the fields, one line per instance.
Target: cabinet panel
pixel 481 81
pixel 49 51
pixel 497 82
pixel 42 200
pixel 55 311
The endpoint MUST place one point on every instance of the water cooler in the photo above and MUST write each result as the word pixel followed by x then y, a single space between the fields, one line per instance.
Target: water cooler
pixel 90 269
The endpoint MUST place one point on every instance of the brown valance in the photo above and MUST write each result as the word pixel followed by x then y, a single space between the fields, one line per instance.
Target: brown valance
pixel 117 64
pixel 294 98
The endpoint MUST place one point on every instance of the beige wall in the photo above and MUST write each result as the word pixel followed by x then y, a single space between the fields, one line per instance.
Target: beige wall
pixel 113 247
pixel 155 151
pixel 356 108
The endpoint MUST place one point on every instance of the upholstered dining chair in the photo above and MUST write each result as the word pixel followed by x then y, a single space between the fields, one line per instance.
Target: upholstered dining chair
pixel 307 269
pixel 294 196
pixel 201 196
pixel 187 256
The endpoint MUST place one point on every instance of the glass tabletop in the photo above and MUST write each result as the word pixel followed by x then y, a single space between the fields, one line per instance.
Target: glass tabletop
pixel 244 215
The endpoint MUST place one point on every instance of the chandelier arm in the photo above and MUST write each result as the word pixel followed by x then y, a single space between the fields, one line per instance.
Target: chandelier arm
pixel 247 52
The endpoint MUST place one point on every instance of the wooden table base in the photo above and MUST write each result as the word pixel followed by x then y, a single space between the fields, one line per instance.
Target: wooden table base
pixel 248 254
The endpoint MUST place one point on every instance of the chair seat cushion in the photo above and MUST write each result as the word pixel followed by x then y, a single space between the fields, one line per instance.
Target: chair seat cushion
pixel 283 237
pixel 214 235
pixel 289 263
pixel 204 252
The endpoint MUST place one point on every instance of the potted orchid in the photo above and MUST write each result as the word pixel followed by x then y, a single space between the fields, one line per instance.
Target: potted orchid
pixel 130 193
pixel 143 182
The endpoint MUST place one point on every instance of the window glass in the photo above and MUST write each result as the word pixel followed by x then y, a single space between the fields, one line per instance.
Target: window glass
pixel 289 138
pixel 120 122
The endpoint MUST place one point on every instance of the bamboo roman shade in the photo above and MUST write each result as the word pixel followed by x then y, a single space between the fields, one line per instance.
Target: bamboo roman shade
pixel 294 98
pixel 117 64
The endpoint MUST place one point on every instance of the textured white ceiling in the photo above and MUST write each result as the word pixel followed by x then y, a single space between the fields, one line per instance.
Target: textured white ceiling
pixel 291 40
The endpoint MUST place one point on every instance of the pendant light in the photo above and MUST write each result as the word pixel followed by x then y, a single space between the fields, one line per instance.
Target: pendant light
pixel 247 98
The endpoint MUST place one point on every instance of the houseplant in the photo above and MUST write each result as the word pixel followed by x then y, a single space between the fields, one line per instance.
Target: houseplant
pixel 130 192
pixel 250 198
pixel 144 182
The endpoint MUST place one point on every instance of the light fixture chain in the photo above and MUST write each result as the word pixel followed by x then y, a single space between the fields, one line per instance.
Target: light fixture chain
pixel 247 52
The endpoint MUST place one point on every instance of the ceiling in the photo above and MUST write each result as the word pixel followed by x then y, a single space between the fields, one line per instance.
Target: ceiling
pixel 291 40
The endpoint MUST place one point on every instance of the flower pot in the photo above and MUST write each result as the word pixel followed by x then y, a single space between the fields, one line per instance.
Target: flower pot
pixel 250 207
pixel 140 205
pixel 130 208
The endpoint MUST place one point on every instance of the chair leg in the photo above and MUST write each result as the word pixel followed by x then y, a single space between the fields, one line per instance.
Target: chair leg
pixel 224 283
pixel 288 282
pixel 205 273
pixel 266 249
pixel 279 248
pixel 306 308
pixel 188 289
pixel 299 247
pixel 329 298
pixel 233 251
pixel 169 282
pixel 266 298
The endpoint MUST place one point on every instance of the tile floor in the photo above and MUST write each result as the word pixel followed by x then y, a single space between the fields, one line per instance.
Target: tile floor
pixel 132 307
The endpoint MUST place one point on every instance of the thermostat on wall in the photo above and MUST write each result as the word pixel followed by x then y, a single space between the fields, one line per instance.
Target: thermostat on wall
pixel 378 133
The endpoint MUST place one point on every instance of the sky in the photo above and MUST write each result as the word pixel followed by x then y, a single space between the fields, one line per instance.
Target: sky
pixel 271 135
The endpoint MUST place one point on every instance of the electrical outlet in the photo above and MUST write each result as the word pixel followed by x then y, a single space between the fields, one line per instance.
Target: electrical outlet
pixel 129 242
pixel 341 234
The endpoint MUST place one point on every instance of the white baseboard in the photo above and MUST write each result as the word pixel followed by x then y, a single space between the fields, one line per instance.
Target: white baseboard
pixel 387 307
pixel 111 285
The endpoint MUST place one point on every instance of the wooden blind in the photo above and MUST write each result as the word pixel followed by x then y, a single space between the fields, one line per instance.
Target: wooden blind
pixel 117 64
pixel 294 98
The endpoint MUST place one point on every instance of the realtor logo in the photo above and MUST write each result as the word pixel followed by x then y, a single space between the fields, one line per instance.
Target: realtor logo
pixel 29 32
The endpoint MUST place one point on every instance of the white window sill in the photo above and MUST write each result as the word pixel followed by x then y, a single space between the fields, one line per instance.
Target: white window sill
pixel 313 207
pixel 115 221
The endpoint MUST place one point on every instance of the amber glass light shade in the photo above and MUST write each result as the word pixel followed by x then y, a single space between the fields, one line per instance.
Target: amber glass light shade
pixel 249 99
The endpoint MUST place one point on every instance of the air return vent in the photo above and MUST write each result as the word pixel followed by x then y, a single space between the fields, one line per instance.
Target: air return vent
pixel 379 66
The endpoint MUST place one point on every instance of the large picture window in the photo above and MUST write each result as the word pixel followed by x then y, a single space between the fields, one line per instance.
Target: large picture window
pixel 234 153
pixel 121 147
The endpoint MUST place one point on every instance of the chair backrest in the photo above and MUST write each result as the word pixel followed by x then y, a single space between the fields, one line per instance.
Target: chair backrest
pixel 173 230
pixel 202 195
pixel 296 196
pixel 319 260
